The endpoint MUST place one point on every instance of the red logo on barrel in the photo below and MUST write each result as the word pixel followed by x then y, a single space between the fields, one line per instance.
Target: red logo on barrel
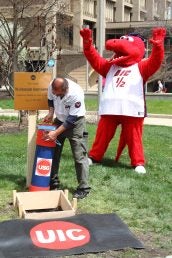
pixel 59 235
pixel 43 167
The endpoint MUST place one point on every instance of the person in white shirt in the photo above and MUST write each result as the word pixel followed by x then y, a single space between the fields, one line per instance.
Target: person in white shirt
pixel 66 100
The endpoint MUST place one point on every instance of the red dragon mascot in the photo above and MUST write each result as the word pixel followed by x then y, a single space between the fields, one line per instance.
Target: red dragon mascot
pixel 123 98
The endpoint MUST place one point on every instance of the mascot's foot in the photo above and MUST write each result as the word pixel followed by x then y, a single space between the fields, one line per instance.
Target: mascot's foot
pixel 92 161
pixel 140 169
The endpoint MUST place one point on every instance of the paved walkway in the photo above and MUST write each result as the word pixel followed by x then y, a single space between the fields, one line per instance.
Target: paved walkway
pixel 91 116
pixel 152 119
pixel 158 121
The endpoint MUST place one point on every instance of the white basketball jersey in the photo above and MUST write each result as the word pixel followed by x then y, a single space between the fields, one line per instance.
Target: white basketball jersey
pixel 123 92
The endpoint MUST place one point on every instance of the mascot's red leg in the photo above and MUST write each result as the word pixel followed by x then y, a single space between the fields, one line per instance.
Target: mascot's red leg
pixel 121 145
pixel 133 128
pixel 105 132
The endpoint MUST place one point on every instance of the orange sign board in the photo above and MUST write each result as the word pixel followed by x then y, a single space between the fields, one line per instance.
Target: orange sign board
pixel 30 90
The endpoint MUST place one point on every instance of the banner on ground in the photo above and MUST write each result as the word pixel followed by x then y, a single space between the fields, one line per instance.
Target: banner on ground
pixel 85 233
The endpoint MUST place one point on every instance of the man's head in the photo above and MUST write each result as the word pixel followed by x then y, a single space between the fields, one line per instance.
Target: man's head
pixel 59 86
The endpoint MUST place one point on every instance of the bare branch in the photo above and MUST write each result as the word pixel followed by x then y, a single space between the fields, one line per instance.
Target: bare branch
pixel 31 19
pixel 5 25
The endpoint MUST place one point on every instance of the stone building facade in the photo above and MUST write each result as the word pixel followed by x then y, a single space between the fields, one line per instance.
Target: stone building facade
pixel 121 17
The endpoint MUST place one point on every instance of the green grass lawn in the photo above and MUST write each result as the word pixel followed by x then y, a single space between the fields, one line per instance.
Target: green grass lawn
pixel 6 103
pixel 143 202
pixel 159 106
pixel 153 106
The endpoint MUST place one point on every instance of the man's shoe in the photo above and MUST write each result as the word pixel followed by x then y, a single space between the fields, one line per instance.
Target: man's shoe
pixel 54 186
pixel 140 169
pixel 81 193
pixel 54 183
pixel 92 161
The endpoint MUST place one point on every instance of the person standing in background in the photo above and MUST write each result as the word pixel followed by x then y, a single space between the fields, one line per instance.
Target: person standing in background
pixel 160 87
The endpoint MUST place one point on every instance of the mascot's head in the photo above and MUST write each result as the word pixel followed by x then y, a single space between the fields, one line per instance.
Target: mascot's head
pixel 129 49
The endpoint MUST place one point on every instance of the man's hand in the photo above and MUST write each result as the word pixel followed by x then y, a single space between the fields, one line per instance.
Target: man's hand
pixel 158 35
pixel 48 118
pixel 50 136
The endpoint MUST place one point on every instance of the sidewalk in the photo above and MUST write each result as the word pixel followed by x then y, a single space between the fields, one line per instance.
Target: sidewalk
pixel 158 121
pixel 91 116
pixel 152 119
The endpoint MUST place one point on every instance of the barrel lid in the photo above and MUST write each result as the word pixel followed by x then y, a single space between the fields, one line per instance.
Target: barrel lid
pixel 47 127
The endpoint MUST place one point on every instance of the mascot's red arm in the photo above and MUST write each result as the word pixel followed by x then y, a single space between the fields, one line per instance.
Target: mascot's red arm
pixel 150 65
pixel 100 64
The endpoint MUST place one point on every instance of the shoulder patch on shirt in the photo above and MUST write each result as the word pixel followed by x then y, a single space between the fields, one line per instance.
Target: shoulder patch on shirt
pixel 77 104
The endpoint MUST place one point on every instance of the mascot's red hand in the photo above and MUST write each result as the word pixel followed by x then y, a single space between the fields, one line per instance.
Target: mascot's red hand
pixel 87 37
pixel 151 64
pixel 158 36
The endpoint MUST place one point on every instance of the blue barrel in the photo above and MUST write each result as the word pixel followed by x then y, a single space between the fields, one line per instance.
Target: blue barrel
pixel 43 160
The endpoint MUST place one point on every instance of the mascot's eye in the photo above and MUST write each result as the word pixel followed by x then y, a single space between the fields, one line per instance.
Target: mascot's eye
pixel 123 37
pixel 130 39
pixel 127 38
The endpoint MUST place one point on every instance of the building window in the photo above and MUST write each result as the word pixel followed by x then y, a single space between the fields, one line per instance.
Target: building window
pixel 114 14
pixel 109 11
pixel 156 6
pixel 128 1
pixel 127 14
pixel 143 4
pixel 142 17
pixel 168 12
pixel 89 8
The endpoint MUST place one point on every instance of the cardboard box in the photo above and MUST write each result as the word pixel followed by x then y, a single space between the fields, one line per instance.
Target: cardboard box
pixel 44 204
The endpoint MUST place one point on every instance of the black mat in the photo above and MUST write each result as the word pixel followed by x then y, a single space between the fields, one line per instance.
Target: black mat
pixel 85 233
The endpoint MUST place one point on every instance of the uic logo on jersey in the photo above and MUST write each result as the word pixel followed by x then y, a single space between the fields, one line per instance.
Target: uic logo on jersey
pixel 43 167
pixel 121 74
pixel 57 235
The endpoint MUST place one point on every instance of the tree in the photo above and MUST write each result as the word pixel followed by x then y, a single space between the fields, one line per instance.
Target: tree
pixel 24 24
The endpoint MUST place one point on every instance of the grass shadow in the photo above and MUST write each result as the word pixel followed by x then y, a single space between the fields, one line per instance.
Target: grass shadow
pixel 20 183
pixel 18 180
pixel 113 164
pixel 65 186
